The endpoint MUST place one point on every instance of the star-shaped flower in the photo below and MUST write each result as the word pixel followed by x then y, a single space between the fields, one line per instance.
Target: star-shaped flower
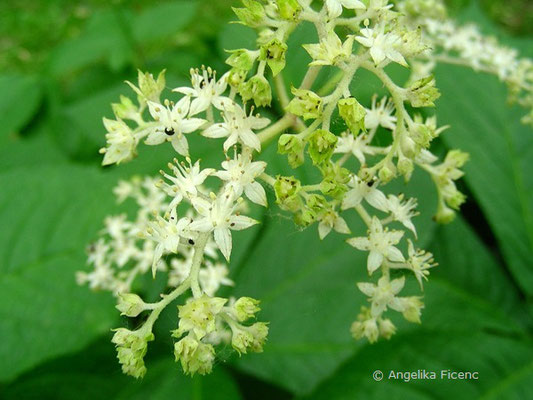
pixel 383 294
pixel 172 124
pixel 380 243
pixel 238 127
pixel 219 216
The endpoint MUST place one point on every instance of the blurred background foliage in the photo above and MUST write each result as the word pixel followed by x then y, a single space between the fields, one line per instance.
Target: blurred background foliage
pixel 63 63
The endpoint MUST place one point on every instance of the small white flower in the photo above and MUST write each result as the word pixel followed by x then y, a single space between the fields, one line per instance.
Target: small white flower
pixel 172 124
pixel 167 235
pixel 348 143
pixel 185 181
pixel 362 190
pixel 121 143
pixel 334 7
pixel 331 220
pixel 380 243
pixel 212 276
pixel 218 216
pixel 238 126
pixel 240 174
pixel 380 114
pixel 403 211
pixel 206 90
pixel 419 262
pixel 330 50
pixel 383 294
pixel 382 45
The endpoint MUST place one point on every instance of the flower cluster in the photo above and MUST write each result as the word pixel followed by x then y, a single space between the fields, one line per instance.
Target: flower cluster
pixel 185 219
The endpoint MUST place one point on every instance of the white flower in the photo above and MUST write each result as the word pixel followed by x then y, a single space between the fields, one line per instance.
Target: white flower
pixel 238 126
pixel 213 276
pixel 206 90
pixel 331 220
pixel 380 114
pixel 383 294
pixel 348 143
pixel 172 124
pixel 334 7
pixel 402 211
pixel 218 216
pixel 364 190
pixel 419 262
pixel 380 243
pixel 330 50
pixel 382 45
pixel 121 143
pixel 185 181
pixel 240 174
pixel 167 235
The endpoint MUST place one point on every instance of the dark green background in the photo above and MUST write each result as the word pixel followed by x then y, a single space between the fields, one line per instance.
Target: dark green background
pixel 62 63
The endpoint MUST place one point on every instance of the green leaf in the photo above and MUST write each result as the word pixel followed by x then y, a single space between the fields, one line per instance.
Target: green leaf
pixel 94 374
pixel 470 323
pixel 504 372
pixel 162 20
pixel 48 215
pixel 21 97
pixel 501 153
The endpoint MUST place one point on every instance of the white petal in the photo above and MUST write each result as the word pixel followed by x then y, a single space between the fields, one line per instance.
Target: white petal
pixel 341 226
pixel 191 124
pixel 352 198
pixel 334 8
pixel 185 90
pixel 155 137
pixel 377 199
pixel 201 205
pixel 250 139
pixel 394 254
pixel 240 222
pixel 155 110
pixel 375 259
pixel 367 288
pixel 256 193
pixel 360 243
pixel 397 284
pixel 180 144
pixel 223 241
pixel 216 131
pixel 198 105
pixel 323 230
pixel 201 225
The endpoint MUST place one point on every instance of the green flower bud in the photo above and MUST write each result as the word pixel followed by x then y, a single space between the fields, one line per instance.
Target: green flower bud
pixel 242 59
pixel 335 180
pixel 245 308
pixel 198 315
pixel 259 331
pixel 131 349
pixel 258 89
pixel 422 135
pixel 413 309
pixel 353 114
pixel 289 9
pixel 386 328
pixel 306 104
pixel 130 304
pixel 305 217
pixel 387 172
pixel 408 146
pixel 126 109
pixel 237 77
pixel 252 15
pixel 195 356
pixel 273 53
pixel 423 92
pixel 405 167
pixel 321 146
pixel 456 159
pixel 149 89
pixel 241 340
pixel 293 146
pixel 444 214
pixel 287 189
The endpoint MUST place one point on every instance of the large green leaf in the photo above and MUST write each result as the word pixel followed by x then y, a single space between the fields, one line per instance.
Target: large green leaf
pixel 94 374
pixel 21 96
pixel 471 323
pixel 308 294
pixel 501 151
pixel 48 214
